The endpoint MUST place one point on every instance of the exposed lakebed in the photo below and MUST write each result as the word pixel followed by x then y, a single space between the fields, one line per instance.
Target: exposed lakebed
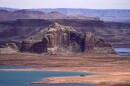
pixel 24 78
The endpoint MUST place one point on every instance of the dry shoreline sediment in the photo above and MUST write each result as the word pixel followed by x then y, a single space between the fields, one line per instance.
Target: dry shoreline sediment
pixel 101 78
pixel 95 79
pixel 110 70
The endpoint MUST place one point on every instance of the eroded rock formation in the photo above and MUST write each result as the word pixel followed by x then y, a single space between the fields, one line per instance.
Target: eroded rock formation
pixel 57 39
pixel 8 48
pixel 93 45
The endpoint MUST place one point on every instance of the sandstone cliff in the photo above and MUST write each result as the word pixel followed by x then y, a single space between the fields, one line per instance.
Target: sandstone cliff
pixel 93 45
pixel 54 39
pixel 59 39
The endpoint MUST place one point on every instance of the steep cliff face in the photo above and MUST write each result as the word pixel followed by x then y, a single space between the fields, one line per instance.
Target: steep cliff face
pixel 59 39
pixel 93 45
pixel 54 39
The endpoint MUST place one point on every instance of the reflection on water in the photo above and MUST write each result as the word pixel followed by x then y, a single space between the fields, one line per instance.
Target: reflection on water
pixel 23 78
pixel 123 51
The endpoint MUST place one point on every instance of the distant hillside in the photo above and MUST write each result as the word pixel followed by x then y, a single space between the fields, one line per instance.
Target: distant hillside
pixel 116 33
pixel 106 15
pixel 8 9
pixel 7 15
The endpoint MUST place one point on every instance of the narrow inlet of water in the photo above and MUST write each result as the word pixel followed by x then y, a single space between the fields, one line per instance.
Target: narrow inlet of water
pixel 23 78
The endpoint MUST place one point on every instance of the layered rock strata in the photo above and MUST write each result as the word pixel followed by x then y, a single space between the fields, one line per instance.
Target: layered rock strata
pixel 93 45
pixel 57 39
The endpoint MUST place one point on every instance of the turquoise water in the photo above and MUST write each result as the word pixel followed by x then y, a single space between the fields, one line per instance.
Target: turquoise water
pixel 23 78
pixel 123 51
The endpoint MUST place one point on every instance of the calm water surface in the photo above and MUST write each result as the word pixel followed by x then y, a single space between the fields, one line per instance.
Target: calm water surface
pixel 23 78
pixel 123 51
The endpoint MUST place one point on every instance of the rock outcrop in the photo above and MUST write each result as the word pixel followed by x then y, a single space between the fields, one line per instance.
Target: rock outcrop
pixel 59 39
pixel 54 39
pixel 9 48
pixel 93 45
pixel 12 45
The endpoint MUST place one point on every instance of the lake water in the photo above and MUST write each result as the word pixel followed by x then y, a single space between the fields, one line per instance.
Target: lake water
pixel 23 78
pixel 123 51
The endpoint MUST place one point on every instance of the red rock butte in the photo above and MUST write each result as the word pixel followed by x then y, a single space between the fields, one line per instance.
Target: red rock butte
pixel 60 39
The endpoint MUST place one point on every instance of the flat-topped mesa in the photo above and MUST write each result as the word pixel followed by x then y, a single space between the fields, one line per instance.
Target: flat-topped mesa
pixel 59 39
